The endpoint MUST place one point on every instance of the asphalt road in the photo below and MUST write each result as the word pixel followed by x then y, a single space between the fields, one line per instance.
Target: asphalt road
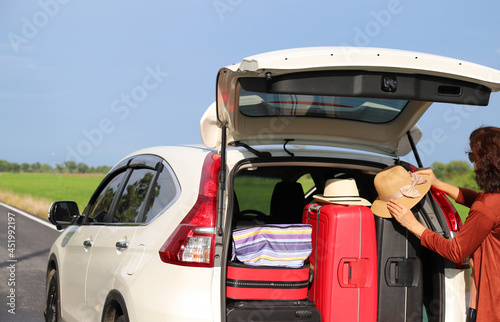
pixel 23 262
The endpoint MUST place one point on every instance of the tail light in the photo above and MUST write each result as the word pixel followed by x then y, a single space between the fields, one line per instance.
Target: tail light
pixel 450 213
pixel 452 218
pixel 193 241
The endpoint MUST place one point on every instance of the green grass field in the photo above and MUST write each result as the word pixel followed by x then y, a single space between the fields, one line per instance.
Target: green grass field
pixel 255 193
pixel 462 210
pixel 252 194
pixel 51 187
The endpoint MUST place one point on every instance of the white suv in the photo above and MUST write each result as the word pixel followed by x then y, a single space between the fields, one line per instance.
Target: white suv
pixel 154 241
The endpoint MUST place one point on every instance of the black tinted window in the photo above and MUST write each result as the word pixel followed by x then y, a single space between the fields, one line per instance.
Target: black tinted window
pixel 373 110
pixel 134 196
pixel 100 207
pixel 165 191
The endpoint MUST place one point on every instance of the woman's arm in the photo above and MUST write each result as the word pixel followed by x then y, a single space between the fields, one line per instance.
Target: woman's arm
pixel 406 218
pixel 473 289
pixel 478 225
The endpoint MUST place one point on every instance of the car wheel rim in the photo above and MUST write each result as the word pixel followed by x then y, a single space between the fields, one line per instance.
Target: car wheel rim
pixel 52 303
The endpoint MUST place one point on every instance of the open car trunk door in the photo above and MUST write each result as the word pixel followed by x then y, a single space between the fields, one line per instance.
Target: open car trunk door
pixel 359 98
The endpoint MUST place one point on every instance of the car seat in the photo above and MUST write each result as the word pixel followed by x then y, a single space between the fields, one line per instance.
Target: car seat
pixel 287 203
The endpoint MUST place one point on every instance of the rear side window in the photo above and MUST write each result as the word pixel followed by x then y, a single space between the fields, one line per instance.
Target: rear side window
pixel 134 196
pixel 164 193
pixel 147 193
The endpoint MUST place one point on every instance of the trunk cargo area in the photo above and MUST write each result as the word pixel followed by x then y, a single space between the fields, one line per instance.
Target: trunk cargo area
pixel 361 267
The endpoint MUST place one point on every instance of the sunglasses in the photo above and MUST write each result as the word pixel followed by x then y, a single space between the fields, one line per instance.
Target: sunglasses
pixel 470 155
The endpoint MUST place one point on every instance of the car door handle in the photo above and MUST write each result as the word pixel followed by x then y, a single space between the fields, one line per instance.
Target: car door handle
pixel 88 243
pixel 121 245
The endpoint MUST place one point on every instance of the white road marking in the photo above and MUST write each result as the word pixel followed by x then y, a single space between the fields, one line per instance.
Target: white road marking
pixel 30 216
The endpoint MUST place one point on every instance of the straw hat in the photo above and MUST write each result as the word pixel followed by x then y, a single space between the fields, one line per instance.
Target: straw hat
pixel 398 184
pixel 342 191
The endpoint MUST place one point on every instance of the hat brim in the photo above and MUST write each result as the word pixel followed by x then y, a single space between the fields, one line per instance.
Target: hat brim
pixel 355 201
pixel 379 207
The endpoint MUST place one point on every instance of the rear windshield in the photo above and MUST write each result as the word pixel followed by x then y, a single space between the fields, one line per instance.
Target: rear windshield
pixel 371 110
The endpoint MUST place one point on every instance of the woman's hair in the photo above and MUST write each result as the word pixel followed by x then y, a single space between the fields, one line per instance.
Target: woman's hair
pixel 485 148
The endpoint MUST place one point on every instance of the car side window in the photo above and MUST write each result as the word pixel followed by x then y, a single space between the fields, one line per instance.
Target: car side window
pixel 101 206
pixel 137 194
pixel 165 192
pixel 134 196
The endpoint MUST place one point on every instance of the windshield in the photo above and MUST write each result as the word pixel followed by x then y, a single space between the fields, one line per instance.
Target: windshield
pixel 371 110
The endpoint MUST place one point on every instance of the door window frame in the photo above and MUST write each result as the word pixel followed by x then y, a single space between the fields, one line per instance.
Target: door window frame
pixel 126 167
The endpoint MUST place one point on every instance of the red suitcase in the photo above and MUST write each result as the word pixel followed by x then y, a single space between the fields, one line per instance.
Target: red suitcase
pixel 246 282
pixel 344 260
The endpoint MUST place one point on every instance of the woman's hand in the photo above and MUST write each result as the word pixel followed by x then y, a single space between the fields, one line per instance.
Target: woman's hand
pixel 449 189
pixel 430 173
pixel 405 217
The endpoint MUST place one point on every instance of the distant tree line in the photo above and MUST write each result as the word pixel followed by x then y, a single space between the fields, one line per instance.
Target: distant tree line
pixel 65 167
pixel 457 173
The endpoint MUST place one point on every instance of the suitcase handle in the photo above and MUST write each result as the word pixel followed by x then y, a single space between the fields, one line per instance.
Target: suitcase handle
pixel 353 272
pixel 402 272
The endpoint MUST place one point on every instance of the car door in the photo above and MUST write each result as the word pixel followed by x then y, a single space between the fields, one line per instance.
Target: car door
pixel 79 242
pixel 113 248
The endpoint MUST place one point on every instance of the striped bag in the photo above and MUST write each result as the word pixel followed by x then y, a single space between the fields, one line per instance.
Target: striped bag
pixel 286 245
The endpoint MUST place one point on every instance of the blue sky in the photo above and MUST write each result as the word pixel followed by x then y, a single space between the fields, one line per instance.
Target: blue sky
pixel 92 81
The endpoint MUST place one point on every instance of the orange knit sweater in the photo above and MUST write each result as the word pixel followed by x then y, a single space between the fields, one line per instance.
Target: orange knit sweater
pixel 479 237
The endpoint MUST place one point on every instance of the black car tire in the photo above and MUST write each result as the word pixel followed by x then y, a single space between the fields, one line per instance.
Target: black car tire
pixel 52 305
pixel 121 318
